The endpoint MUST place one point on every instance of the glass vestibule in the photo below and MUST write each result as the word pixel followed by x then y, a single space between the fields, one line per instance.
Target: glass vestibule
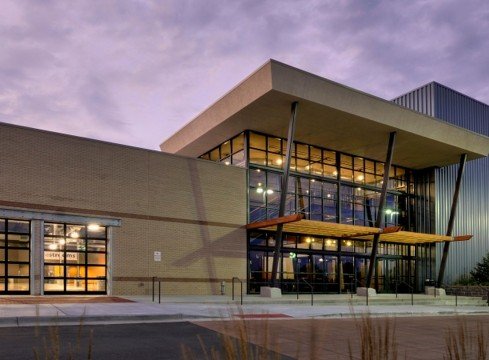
pixel 14 256
pixel 75 258
pixel 329 265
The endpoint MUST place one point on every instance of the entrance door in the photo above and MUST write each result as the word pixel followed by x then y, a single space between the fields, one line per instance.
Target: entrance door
pixel 75 258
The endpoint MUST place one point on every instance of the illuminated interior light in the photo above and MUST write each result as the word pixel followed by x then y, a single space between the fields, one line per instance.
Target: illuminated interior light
pixel 360 177
pixel 53 246
pixel 321 259
pixel 329 242
pixel 93 227
pixel 269 191
pixel 259 190
pixel 279 161
pixel 348 243
pixel 328 196
pixel 388 211
pixel 75 235
pixel 227 163
pixel 312 180
pixel 335 173
pixel 62 241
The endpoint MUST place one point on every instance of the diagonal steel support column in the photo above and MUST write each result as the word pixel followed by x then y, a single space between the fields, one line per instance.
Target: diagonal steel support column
pixel 283 194
pixel 379 222
pixel 453 210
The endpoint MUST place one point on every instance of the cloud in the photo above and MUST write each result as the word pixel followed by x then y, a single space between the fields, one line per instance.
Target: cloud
pixel 136 71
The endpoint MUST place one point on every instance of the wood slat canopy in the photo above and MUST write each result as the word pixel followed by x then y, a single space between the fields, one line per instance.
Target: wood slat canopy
pixel 295 224
pixel 408 237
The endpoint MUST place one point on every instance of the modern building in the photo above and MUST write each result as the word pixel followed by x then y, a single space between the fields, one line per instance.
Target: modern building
pixel 85 216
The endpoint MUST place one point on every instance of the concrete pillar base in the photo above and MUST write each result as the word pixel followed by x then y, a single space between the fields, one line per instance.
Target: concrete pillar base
pixel 271 292
pixel 430 290
pixel 362 291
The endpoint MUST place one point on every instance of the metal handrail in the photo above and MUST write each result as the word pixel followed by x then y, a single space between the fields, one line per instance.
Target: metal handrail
pixel 312 291
pixel 480 286
pixel 410 287
pixel 154 279
pixel 232 280
pixel 357 282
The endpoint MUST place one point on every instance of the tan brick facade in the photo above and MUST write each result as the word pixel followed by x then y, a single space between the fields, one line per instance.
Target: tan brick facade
pixel 191 210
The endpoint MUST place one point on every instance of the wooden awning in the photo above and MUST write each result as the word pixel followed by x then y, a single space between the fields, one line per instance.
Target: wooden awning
pixel 297 225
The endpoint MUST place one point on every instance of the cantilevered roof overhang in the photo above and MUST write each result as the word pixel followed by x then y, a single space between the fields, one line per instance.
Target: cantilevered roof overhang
pixel 296 225
pixel 330 115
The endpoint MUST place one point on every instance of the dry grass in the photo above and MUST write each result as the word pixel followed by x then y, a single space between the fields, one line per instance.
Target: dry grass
pixel 51 348
pixel 463 343
pixel 377 339
pixel 243 344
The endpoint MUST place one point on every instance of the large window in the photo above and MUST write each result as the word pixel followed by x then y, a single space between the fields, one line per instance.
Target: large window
pixel 75 258
pixel 14 256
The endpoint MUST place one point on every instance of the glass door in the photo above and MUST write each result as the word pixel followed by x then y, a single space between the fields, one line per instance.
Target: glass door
pixel 75 258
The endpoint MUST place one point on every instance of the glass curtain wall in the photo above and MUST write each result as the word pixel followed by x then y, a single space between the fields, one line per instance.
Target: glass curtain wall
pixel 324 185
pixel 14 256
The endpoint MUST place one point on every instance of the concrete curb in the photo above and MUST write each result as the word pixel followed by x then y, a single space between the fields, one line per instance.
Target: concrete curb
pixel 65 320
pixel 91 319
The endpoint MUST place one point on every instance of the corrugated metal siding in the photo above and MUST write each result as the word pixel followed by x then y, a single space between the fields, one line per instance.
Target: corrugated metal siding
pixel 473 208
pixel 472 216
pixel 420 99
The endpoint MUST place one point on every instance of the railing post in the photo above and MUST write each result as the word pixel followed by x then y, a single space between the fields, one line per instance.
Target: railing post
pixel 241 283
pixel 153 280
pixel 396 288
pixel 412 295
pixel 159 291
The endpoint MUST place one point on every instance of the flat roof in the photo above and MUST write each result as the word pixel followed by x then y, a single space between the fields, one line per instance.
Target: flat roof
pixel 330 115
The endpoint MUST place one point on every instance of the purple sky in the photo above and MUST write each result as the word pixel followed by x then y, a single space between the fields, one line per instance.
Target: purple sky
pixel 134 72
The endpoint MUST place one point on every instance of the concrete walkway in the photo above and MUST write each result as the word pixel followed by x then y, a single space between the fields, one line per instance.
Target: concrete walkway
pixel 175 308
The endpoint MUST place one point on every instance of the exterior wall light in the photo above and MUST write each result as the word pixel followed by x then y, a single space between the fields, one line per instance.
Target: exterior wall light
pixel 93 227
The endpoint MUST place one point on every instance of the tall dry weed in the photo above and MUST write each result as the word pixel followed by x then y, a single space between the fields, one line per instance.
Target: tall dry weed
pixel 377 339
pixel 463 343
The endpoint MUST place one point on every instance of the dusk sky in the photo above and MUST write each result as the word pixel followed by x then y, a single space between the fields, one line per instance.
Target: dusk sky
pixel 134 72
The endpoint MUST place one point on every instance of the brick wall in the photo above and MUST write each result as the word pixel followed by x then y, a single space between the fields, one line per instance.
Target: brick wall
pixel 191 210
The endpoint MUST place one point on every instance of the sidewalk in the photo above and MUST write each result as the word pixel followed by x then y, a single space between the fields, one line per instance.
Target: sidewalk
pixel 177 308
